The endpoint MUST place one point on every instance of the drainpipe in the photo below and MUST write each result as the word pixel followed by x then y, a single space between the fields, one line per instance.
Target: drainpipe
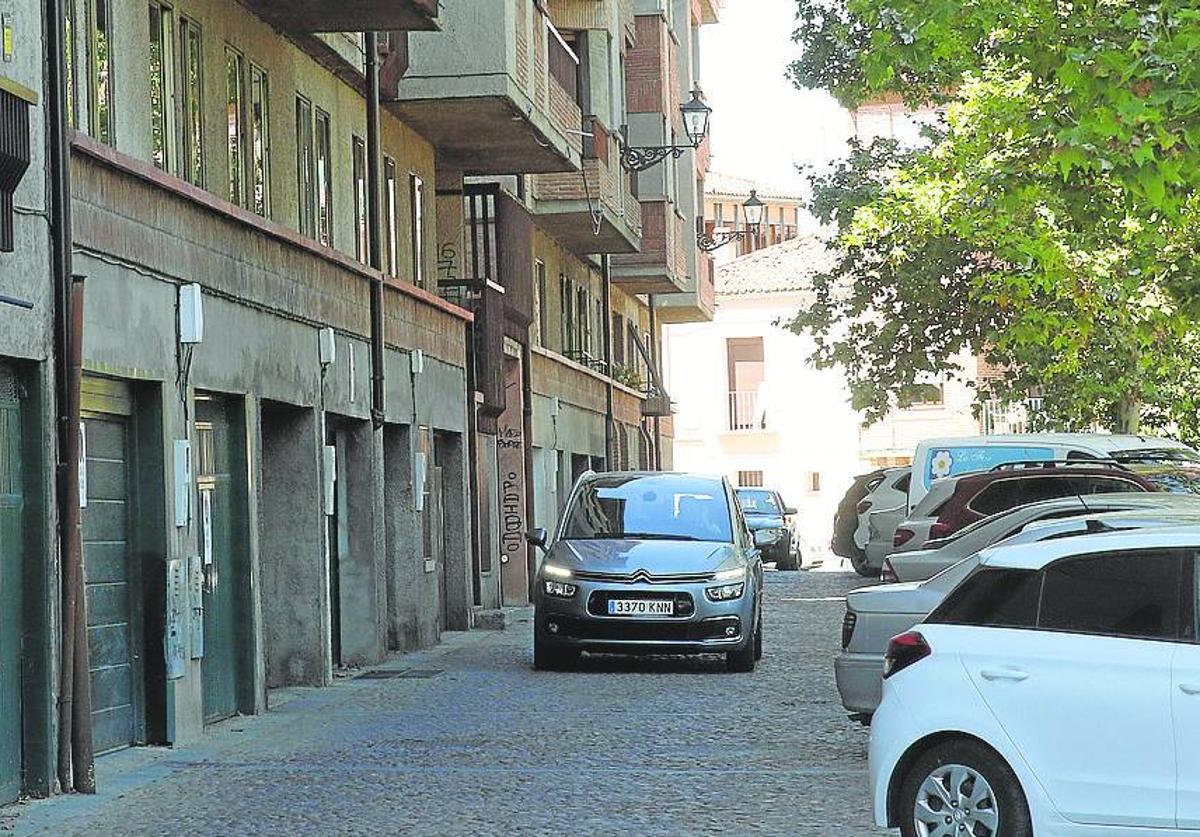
pixel 609 419
pixel 370 40
pixel 656 422
pixel 527 432
pixel 75 762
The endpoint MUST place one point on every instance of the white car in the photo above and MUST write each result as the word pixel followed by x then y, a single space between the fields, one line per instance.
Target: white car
pixel 1055 692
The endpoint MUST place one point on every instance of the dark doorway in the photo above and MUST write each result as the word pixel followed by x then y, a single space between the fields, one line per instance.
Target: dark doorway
pixel 12 559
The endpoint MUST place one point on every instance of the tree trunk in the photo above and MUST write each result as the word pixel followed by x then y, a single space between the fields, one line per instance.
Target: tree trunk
pixel 1129 415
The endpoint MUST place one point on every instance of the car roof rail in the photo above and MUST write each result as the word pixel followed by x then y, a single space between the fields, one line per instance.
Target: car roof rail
pixel 1057 463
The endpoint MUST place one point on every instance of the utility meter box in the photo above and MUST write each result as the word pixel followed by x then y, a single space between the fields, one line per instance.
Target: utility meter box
pixel 191 314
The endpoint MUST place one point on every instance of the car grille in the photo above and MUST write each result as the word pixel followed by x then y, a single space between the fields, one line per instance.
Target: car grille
pixel 643 577
pixel 849 622
pixel 597 605
pixel 649 630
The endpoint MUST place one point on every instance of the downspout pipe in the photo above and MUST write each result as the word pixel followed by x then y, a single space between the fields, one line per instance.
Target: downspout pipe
pixel 656 422
pixel 527 432
pixel 375 250
pixel 610 430
pixel 75 766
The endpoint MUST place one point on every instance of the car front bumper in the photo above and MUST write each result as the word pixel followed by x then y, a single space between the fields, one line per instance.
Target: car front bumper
pixel 859 681
pixel 582 623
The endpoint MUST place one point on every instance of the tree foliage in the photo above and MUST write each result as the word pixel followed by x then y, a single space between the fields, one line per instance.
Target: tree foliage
pixel 1052 221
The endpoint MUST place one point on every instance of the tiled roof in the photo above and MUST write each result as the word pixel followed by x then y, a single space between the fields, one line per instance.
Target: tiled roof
pixel 782 268
pixel 719 183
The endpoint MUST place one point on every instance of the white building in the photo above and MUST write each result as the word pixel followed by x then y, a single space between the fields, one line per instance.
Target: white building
pixel 750 405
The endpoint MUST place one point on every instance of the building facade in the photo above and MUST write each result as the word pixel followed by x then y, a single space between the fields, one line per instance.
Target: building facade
pixel 337 353
pixel 784 217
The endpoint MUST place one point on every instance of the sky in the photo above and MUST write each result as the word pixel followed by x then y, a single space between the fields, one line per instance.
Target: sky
pixel 762 125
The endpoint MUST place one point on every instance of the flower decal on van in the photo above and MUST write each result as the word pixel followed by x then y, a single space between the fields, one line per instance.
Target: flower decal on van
pixel 941 464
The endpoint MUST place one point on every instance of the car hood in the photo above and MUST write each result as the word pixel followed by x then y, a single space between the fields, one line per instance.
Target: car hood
pixel 905 597
pixel 654 556
pixel 754 522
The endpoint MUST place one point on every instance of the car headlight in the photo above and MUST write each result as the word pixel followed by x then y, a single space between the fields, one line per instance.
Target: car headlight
pixel 559 589
pixel 555 571
pixel 773 534
pixel 725 592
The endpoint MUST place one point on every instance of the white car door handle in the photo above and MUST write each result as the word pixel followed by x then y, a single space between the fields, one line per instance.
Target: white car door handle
pixel 1014 674
pixel 1190 688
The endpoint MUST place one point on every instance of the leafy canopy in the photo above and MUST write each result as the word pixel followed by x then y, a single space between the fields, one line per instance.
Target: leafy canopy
pixel 1051 222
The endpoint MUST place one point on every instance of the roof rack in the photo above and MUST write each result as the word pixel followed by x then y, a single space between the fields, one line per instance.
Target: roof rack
pixel 1058 463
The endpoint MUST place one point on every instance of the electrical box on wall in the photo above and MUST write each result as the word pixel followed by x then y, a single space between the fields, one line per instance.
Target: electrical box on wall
pixel 326 347
pixel 416 360
pixel 183 482
pixel 329 478
pixel 191 314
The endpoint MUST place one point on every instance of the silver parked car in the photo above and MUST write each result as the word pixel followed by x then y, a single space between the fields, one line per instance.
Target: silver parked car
pixel 649 563
pixel 888 506
pixel 924 563
pixel 876 614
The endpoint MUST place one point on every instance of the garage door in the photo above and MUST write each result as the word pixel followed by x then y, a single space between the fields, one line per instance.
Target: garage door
pixel 11 555
pixel 109 568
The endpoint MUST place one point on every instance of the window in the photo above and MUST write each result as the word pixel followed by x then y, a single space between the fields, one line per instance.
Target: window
pixel 193 102
pixel 260 142
pixel 996 598
pixel 584 308
pixel 305 174
pixel 663 506
pixel 235 80
pixel 541 312
pixel 745 371
pixel 567 298
pixel 1134 594
pixel 618 340
pixel 814 482
pixel 164 137
pixel 69 63
pixel 750 479
pixel 100 72
pixel 416 197
pixel 389 185
pixel 564 61
pixel 361 242
pixel 324 178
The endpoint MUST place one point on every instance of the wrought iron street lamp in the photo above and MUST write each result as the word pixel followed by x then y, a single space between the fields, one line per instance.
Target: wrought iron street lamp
pixel 752 211
pixel 695 124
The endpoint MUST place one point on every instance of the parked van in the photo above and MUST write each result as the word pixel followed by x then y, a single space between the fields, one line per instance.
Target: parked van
pixel 937 458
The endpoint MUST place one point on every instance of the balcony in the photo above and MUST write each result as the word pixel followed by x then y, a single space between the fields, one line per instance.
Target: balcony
pixel 697 303
pixel 592 212
pixel 308 16
pixel 661 266
pixel 482 92
pixel 746 411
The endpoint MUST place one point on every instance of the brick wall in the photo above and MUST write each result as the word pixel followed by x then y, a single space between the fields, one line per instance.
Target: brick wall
pixel 644 67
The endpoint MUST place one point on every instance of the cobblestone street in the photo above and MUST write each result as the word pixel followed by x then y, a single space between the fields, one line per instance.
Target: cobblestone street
pixel 474 741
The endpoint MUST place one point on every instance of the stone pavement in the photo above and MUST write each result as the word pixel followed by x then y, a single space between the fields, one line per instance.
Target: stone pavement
pixel 484 744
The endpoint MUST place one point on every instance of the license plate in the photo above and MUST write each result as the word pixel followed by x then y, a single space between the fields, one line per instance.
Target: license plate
pixel 640 607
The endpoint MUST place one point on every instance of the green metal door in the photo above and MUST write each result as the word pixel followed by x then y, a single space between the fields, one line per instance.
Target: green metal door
pixel 220 484
pixel 112 582
pixel 11 555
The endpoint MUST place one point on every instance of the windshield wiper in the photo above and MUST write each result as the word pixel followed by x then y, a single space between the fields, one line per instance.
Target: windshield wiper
pixel 655 536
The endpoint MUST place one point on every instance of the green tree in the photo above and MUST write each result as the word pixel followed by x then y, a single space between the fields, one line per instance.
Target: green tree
pixel 1049 224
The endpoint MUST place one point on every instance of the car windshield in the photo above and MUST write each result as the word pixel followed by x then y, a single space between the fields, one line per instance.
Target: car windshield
pixel 758 502
pixel 1179 477
pixel 650 507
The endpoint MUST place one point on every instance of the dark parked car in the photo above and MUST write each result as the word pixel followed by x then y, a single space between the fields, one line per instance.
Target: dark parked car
pixel 846 520
pixel 976 496
pixel 766 512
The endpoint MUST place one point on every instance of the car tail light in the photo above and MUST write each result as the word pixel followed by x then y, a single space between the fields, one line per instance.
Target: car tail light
pixel 940 530
pixel 863 507
pixel 888 573
pixel 903 651
pixel 903 536
pixel 849 621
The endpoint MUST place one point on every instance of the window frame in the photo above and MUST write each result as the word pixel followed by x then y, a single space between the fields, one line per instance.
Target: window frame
pixel 165 82
pixel 258 126
pixel 322 131
pixel 104 131
pixel 416 197
pixel 235 124
pixel 358 157
pixel 391 243
pixel 306 168
pixel 191 46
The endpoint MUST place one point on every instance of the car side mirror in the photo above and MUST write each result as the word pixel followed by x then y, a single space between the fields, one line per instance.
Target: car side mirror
pixel 790 510
pixel 762 539
pixel 537 537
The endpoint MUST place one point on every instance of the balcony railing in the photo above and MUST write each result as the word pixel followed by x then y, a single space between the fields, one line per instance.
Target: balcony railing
pixel 745 411
pixel 1005 417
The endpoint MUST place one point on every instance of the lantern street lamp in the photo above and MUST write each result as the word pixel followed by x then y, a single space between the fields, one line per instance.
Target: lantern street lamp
pixel 752 211
pixel 695 124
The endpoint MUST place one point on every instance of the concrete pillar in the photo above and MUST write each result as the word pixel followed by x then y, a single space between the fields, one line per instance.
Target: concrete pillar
pixel 451 456
pixel 295 589
pixel 402 537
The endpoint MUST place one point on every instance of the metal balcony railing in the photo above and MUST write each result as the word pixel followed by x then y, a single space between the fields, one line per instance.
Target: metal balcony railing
pixel 745 411
pixel 1004 417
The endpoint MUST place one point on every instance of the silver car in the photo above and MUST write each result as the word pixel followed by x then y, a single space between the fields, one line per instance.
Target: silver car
pixel 649 563
pixel 925 563
pixel 888 507
pixel 876 614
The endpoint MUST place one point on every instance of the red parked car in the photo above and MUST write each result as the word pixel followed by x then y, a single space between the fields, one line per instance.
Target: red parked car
pixel 976 496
